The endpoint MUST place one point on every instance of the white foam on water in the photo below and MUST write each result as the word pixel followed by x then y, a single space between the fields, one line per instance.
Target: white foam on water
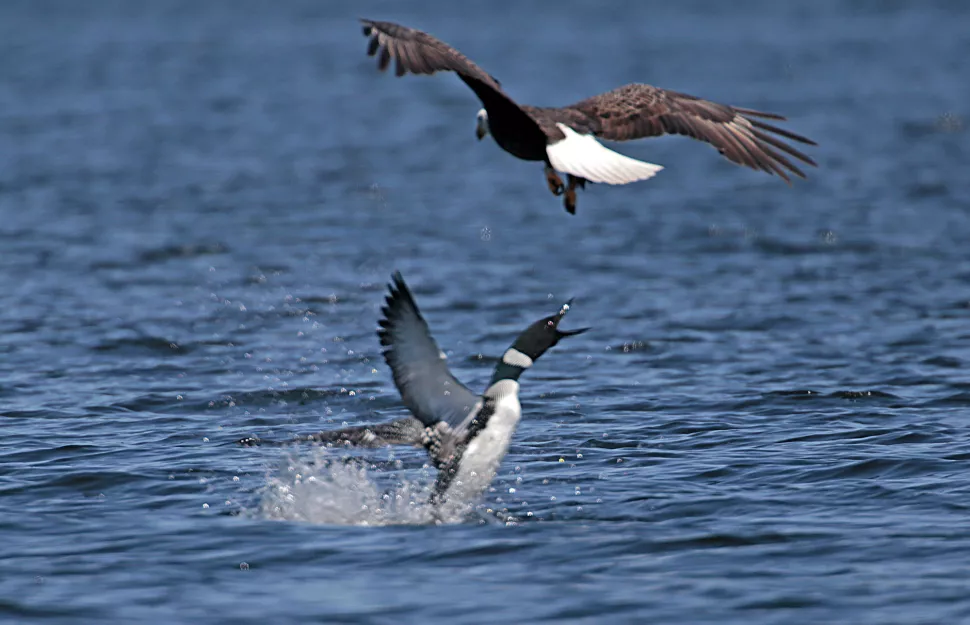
pixel 318 485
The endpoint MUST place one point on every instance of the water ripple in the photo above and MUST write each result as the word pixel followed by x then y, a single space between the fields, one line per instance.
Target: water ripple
pixel 765 424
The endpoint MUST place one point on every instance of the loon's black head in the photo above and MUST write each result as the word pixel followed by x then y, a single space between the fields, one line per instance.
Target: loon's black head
pixel 544 334
pixel 534 342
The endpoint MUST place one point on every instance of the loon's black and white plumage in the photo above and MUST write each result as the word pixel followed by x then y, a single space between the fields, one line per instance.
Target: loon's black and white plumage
pixel 566 139
pixel 466 435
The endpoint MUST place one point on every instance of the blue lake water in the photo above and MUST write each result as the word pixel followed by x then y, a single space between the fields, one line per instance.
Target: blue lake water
pixel 201 203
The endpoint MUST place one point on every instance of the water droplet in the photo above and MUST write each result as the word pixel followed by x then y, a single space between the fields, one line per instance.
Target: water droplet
pixel 243 566
pixel 205 506
pixel 950 122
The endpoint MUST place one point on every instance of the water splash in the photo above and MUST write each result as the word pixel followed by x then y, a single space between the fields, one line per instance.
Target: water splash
pixel 317 485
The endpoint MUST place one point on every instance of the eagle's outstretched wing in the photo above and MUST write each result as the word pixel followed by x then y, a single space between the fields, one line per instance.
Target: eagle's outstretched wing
pixel 419 53
pixel 637 110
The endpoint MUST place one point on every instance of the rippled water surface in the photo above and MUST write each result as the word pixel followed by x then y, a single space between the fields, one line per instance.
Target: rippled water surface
pixel 201 203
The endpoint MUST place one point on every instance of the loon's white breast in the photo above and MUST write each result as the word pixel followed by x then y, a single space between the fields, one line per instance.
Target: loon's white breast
pixel 485 452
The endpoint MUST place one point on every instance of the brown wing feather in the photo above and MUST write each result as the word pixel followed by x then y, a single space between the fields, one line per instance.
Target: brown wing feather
pixel 636 111
pixel 419 53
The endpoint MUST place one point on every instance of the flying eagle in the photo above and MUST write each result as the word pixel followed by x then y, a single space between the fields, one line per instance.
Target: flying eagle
pixel 566 138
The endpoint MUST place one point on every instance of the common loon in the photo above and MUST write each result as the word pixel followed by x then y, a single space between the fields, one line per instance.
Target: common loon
pixel 466 435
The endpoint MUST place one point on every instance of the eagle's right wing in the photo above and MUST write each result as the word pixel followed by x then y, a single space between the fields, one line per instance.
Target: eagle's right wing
pixel 418 52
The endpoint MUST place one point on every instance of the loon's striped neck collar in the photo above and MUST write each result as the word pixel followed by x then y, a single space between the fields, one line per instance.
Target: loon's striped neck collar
pixel 512 365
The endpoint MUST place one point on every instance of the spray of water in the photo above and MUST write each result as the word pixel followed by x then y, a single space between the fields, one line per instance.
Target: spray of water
pixel 318 485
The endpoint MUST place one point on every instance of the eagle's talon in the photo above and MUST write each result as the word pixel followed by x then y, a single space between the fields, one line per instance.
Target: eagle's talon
pixel 570 202
pixel 554 182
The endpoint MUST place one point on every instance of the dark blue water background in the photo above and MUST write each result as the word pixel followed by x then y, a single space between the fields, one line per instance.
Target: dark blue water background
pixel 200 204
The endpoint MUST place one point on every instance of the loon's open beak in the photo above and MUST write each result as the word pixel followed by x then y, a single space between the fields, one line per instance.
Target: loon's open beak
pixel 562 313
pixel 563 333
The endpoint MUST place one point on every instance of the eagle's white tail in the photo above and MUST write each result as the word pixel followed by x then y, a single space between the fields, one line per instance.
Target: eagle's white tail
pixel 585 157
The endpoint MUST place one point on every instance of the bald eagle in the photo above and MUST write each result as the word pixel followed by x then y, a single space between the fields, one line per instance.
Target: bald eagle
pixel 566 139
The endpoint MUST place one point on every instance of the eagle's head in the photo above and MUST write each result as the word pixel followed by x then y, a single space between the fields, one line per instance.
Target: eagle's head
pixel 481 125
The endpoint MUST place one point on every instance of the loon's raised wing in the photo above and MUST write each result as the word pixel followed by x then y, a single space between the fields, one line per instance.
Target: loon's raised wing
pixel 442 406
pixel 406 431
pixel 427 387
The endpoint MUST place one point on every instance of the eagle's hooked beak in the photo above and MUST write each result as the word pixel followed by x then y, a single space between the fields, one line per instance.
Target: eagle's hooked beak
pixel 481 125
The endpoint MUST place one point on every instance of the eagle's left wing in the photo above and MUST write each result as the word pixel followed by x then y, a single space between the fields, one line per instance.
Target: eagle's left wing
pixel 637 110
